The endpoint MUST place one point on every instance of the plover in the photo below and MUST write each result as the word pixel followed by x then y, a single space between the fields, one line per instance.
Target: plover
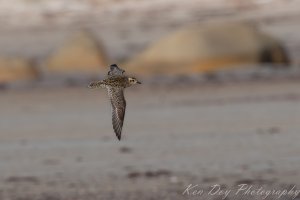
pixel 115 83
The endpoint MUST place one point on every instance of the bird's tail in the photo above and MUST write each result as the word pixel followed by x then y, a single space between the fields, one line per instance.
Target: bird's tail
pixel 95 84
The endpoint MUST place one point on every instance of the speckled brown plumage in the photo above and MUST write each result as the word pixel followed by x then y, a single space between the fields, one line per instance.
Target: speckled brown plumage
pixel 115 84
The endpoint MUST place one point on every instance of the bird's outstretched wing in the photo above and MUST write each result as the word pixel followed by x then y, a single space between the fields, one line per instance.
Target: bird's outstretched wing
pixel 96 84
pixel 118 106
pixel 115 70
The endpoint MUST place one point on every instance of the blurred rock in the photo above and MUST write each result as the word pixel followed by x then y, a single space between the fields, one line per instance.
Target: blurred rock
pixel 81 54
pixel 16 69
pixel 208 48
pixel 125 150
pixel 150 174
pixel 18 179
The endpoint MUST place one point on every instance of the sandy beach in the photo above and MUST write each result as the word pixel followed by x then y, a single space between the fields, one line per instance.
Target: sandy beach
pixel 59 143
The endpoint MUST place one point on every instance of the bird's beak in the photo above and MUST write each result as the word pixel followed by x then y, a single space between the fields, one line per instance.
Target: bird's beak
pixel 138 82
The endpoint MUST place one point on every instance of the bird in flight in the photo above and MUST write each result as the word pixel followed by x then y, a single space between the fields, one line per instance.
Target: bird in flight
pixel 115 83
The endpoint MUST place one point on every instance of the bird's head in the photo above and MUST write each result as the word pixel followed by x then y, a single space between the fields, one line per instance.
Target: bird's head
pixel 133 81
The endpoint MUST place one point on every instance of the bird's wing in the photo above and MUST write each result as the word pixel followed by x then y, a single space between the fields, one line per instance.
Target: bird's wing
pixel 115 70
pixel 96 84
pixel 118 106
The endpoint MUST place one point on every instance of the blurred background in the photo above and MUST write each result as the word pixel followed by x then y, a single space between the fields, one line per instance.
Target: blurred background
pixel 219 103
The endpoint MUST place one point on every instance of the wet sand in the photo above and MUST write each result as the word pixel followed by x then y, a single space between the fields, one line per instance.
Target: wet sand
pixel 58 143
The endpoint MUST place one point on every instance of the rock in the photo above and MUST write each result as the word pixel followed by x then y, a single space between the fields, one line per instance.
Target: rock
pixel 16 69
pixel 125 150
pixel 206 48
pixel 81 54
pixel 18 179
